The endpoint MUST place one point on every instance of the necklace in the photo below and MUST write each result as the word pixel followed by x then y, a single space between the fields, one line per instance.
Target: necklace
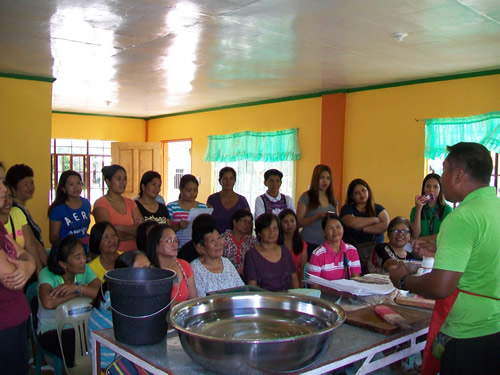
pixel 430 220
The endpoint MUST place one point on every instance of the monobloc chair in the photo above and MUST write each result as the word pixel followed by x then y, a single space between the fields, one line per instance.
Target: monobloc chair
pixel 32 297
pixel 75 313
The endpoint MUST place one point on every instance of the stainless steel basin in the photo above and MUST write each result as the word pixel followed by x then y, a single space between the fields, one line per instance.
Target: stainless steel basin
pixel 255 332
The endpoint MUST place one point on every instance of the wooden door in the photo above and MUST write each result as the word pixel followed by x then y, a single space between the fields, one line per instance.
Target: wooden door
pixel 136 158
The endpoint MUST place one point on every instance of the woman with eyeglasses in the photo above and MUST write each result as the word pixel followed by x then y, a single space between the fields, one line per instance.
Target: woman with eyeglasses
pixel 162 247
pixel 399 233
pixel 212 272
pixel 334 259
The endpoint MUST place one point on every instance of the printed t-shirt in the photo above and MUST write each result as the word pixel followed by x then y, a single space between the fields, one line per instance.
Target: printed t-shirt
pixel 16 221
pixel 75 222
pixel 160 216
pixel 207 281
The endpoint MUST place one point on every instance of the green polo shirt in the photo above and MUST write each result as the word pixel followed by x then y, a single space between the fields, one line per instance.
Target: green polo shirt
pixel 469 242
pixel 431 214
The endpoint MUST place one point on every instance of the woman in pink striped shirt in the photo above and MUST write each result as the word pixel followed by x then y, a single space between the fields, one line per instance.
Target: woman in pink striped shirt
pixel 334 259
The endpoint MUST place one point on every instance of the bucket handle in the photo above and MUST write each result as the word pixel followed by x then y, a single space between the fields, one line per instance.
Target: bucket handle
pixel 149 315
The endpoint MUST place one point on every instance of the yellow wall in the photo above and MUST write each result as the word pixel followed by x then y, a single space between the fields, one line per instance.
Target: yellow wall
pixel 385 145
pixel 98 127
pixel 302 114
pixel 26 110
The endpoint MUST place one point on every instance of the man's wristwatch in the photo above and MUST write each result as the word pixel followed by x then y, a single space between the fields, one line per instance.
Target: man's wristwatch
pixel 401 283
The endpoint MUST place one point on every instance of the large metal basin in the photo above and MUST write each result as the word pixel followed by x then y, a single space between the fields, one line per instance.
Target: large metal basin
pixel 255 332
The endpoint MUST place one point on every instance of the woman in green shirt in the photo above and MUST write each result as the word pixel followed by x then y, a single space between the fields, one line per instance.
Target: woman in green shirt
pixel 430 208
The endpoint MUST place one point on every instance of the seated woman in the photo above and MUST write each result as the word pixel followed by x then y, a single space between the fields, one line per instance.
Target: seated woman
pixel 101 316
pixel 120 211
pixel 211 270
pixel 67 276
pixel 239 239
pixel 268 264
pixel 334 259
pixel 399 233
pixel 17 228
pixel 430 209
pixel 162 247
pixel 69 213
pixel 104 243
pixel 292 240
pixel 151 209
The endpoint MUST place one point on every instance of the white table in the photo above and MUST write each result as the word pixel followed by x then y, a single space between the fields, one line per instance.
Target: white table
pixel 349 344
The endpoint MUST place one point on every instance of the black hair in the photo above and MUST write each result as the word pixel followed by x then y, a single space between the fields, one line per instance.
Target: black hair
pixel 440 198
pixel 224 170
pixel 370 203
pixel 330 216
pixel 399 220
pixel 202 229
pixel 296 238
pixel 142 233
pixel 152 242
pixel 272 172
pixel 264 221
pixel 96 234
pixel 110 170
pixel 474 158
pixel 60 252
pixel 187 178
pixel 240 214
pixel 127 259
pixel 61 195
pixel 147 177
pixel 16 173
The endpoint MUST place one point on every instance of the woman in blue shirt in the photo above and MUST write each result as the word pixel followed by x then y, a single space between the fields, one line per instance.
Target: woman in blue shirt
pixel 69 213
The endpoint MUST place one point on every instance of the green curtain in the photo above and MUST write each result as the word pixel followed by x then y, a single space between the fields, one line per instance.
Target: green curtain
pixel 254 146
pixel 439 133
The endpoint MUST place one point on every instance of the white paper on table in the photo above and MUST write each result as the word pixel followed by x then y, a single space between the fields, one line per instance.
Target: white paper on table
pixel 193 212
pixel 352 286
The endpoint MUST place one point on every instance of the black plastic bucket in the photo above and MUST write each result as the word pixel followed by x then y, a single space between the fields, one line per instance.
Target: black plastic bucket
pixel 139 301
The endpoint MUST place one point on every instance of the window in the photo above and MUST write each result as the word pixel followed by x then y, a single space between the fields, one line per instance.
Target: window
pixel 86 157
pixel 178 163
pixel 250 178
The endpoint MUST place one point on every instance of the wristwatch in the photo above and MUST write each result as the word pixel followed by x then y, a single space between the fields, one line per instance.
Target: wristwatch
pixel 401 283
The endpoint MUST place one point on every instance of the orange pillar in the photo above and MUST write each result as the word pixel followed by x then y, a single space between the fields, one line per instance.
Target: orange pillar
pixel 332 138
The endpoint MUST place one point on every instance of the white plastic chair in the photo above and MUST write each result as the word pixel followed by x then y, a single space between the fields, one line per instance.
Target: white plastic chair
pixel 75 313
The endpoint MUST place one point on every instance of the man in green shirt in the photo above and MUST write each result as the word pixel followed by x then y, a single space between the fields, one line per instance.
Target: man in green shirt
pixel 465 279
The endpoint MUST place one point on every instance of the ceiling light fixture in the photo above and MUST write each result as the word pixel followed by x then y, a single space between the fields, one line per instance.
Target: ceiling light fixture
pixel 399 36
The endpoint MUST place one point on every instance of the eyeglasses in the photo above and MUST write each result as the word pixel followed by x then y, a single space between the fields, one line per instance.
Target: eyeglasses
pixel 400 231
pixel 171 241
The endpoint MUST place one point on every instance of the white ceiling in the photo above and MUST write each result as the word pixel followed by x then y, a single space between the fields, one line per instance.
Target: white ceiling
pixel 153 57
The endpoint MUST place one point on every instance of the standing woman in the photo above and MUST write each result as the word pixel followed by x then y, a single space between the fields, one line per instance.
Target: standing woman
pixel 20 178
pixel 292 240
pixel 162 248
pixel 179 209
pixel 149 207
pixel 239 239
pixel 430 208
pixel 17 228
pixel 268 264
pixel 226 202
pixel 67 276
pixel 69 213
pixel 120 211
pixel 16 267
pixel 313 206
pixel 104 243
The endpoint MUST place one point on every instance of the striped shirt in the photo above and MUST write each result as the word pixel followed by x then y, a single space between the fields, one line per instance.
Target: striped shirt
pixel 327 264
pixel 177 214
